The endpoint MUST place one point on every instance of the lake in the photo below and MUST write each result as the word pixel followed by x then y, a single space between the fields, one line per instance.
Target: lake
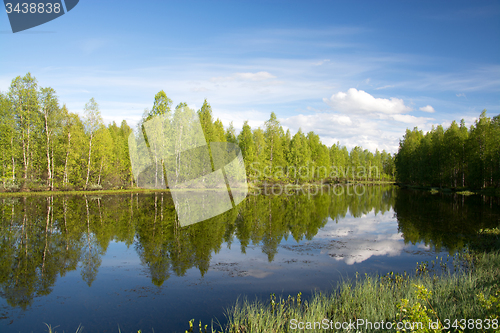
pixel 123 261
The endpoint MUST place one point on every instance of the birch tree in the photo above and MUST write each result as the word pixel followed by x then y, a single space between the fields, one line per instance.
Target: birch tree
pixel 92 122
pixel 24 99
pixel 49 108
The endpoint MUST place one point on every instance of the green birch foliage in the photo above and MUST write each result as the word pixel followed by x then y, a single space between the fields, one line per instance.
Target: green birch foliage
pixel 49 106
pixel 8 141
pixel 76 149
pixel 23 96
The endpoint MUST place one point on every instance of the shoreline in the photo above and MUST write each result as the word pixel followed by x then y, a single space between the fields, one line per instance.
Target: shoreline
pixel 145 190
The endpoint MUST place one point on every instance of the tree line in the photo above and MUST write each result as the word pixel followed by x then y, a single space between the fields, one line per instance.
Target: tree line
pixel 46 147
pixel 453 157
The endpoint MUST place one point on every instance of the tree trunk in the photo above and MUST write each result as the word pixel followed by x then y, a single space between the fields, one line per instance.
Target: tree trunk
pixel 65 177
pixel 49 172
pixel 13 161
pixel 88 167
pixel 25 158
pixel 28 152
pixel 52 179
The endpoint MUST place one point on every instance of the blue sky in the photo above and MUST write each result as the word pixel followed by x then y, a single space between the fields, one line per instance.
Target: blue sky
pixel 355 72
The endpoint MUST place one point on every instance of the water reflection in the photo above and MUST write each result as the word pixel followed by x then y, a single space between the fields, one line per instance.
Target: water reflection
pixel 42 238
pixel 442 221
pixel 357 239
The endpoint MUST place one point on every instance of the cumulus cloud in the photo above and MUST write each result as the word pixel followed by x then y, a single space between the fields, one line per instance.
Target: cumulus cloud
pixel 409 119
pixel 350 130
pixel 427 108
pixel 359 101
pixel 359 119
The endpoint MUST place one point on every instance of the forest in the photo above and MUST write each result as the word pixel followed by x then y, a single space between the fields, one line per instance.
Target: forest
pixel 455 157
pixel 45 147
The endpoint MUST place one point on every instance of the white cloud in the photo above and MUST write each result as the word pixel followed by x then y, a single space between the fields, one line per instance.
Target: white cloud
pixel 199 89
pixel 255 118
pixel 427 108
pixel 409 119
pixel 259 76
pixel 461 95
pixel 349 130
pixel 385 87
pixel 257 273
pixel 380 126
pixel 359 101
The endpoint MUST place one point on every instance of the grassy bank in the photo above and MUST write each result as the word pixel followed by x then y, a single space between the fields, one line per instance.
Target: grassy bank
pixel 252 185
pixel 81 192
pixel 454 295
pixel 466 285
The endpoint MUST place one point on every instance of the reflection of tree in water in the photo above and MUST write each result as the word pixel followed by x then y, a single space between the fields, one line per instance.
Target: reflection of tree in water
pixel 42 238
pixel 91 261
pixel 91 253
pixel 443 220
pixel 31 249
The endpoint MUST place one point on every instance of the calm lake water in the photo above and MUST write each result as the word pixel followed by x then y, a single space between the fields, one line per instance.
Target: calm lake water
pixel 109 261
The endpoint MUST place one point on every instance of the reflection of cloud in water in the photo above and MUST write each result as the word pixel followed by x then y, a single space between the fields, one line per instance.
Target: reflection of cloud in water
pixel 354 250
pixel 354 240
pixel 424 247
pixel 257 273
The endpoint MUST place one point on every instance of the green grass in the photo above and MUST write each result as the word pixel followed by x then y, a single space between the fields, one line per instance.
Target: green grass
pixel 455 294
pixel 46 193
pixel 466 285
pixel 52 330
pixel 467 192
